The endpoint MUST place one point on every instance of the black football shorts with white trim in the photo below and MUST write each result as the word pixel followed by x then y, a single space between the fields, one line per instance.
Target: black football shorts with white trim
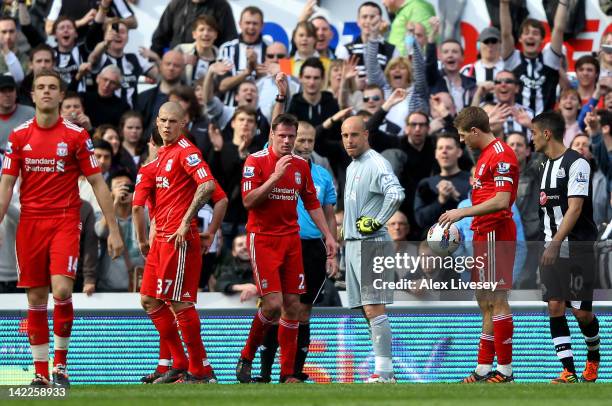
pixel 571 279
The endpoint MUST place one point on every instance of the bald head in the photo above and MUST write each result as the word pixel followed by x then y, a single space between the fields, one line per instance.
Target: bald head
pixel 172 66
pixel 354 123
pixel 170 121
pixel 355 136
pixel 275 50
pixel 172 108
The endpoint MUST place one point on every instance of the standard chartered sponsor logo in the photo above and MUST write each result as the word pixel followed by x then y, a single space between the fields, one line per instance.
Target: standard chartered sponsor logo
pixel 161 182
pixel 283 194
pixel 40 161
pixel 46 165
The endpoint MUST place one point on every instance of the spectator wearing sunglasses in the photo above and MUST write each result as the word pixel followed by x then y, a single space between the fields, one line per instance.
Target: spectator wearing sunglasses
pixel 490 62
pixel 514 117
pixel 373 99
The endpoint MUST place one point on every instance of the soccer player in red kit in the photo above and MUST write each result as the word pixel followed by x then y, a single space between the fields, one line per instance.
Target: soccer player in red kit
pixel 50 153
pixel 494 192
pixel 272 179
pixel 183 184
pixel 144 195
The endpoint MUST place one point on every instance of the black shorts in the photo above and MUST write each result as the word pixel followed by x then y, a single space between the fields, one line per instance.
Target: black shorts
pixel 314 258
pixel 571 280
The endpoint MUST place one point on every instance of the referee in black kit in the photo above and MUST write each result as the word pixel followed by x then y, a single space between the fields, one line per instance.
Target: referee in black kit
pixel 567 266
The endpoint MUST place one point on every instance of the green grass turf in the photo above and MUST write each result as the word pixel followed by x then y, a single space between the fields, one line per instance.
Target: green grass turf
pixel 334 394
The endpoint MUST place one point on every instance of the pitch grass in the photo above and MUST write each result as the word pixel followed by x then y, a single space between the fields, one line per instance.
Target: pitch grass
pixel 335 394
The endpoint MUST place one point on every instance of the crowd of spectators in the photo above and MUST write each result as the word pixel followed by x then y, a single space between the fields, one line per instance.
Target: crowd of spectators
pixel 404 73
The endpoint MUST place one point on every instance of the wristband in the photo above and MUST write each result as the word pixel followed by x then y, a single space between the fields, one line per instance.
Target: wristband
pixel 281 98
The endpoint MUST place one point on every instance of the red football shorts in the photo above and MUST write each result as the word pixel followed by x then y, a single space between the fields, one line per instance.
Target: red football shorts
pixel 148 285
pixel 46 247
pixel 277 263
pixel 497 249
pixel 178 271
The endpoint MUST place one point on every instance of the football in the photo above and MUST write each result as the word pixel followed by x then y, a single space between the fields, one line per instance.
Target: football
pixel 443 241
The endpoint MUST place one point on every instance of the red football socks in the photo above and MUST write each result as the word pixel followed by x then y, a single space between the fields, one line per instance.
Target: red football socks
pixel 189 323
pixel 165 323
pixel 287 338
pixel 163 363
pixel 503 328
pixel 486 350
pixel 38 335
pixel 63 316
pixel 256 335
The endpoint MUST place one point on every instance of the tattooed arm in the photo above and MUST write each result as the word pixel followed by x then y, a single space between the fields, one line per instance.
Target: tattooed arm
pixel 202 195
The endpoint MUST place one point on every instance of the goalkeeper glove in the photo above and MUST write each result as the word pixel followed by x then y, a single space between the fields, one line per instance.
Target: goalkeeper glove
pixel 367 225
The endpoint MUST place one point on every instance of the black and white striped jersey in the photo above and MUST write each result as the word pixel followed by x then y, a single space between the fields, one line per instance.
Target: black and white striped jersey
pixel 67 65
pixel 562 178
pixel 77 9
pixel 235 51
pixel 538 77
pixel 480 72
pixel 386 52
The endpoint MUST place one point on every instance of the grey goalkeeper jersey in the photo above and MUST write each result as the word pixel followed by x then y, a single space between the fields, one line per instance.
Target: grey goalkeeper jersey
pixel 371 190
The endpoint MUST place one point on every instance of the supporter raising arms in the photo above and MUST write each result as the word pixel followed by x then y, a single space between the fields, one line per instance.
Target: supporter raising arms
pixel 368 14
pixel 399 74
pixel 449 78
pixel 83 12
pixel 111 51
pixel 70 54
pixel 537 70
pixel 322 26
pixel 246 95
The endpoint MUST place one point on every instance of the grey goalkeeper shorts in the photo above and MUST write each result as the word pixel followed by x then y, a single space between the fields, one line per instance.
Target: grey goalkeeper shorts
pixel 360 287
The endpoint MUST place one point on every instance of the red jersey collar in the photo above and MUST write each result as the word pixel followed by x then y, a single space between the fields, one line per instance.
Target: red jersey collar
pixel 180 137
pixel 273 154
pixel 489 145
pixel 59 120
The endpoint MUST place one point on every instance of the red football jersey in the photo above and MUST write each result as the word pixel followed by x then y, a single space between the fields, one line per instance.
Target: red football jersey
pixel 496 171
pixel 278 214
pixel 144 190
pixel 50 161
pixel 179 170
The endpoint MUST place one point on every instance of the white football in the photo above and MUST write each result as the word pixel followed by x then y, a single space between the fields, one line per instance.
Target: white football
pixel 443 241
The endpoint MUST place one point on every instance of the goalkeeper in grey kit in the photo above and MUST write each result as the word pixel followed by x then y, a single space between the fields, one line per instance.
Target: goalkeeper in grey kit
pixel 372 194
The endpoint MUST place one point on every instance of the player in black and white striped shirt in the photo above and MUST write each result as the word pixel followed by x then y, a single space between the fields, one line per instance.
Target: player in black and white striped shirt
pixel 567 264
